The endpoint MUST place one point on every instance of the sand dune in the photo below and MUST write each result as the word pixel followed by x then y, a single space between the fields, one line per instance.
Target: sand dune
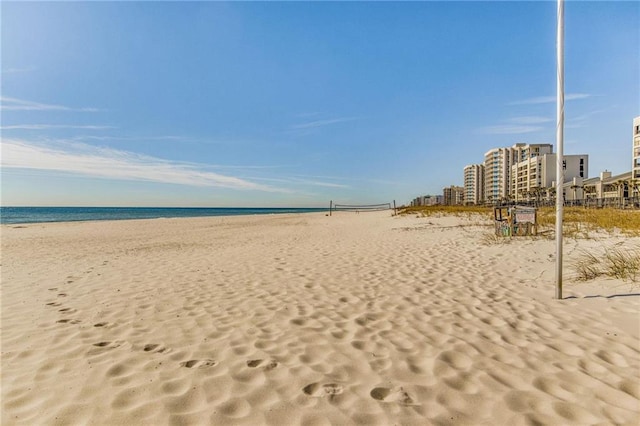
pixel 309 320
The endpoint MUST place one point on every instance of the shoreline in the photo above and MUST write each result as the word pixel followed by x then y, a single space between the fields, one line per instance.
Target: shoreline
pixel 218 212
pixel 309 319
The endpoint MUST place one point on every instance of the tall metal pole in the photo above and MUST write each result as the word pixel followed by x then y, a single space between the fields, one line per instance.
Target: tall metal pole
pixel 560 144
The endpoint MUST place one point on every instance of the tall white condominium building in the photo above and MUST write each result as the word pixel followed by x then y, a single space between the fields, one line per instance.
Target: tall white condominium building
pixel 635 168
pixel 497 167
pixel 530 177
pixel 474 184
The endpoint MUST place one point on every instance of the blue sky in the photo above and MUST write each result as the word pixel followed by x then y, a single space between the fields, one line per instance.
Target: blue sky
pixel 298 103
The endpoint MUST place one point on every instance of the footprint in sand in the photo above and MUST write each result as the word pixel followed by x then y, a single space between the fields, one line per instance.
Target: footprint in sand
pixel 270 365
pixel 199 363
pixel 69 321
pixel 612 358
pixel 110 345
pixel 101 324
pixel 155 347
pixel 397 395
pixel 319 390
pixel 54 304
pixel 67 310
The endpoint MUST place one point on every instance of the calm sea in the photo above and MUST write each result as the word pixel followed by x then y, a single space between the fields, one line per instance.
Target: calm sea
pixel 10 215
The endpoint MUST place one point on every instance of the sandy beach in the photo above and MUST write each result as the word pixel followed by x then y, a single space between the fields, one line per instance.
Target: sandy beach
pixel 354 319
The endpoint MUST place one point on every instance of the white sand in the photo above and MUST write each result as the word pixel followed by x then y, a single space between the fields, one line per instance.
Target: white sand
pixel 307 319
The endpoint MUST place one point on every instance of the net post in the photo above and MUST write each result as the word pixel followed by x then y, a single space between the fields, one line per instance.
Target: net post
pixel 330 205
pixel 395 213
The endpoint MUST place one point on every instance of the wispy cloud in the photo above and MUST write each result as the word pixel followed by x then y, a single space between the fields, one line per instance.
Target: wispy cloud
pixel 584 120
pixel 328 185
pixel 518 125
pixel 321 181
pixel 307 115
pixel 306 182
pixel 130 138
pixel 530 119
pixel 509 129
pixel 53 126
pixel 321 123
pixel 17 70
pixel 14 104
pixel 550 99
pixel 108 163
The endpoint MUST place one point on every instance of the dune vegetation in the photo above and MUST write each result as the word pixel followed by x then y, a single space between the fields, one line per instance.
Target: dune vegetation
pixel 574 218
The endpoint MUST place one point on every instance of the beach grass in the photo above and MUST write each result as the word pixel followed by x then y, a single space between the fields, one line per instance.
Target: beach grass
pixel 577 221
pixel 425 211
pixel 607 219
pixel 613 263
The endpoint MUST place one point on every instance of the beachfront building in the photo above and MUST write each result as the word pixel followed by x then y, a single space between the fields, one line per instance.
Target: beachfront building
pixel 608 190
pixel 534 178
pixel 453 195
pixel 521 151
pixel 635 167
pixel 634 182
pixel 497 168
pixel 474 184
pixel 427 200
pixel 496 174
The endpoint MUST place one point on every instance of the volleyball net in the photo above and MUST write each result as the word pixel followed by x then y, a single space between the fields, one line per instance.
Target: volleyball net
pixel 357 208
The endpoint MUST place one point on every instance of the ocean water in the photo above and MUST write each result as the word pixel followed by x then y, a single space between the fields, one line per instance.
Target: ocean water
pixel 12 215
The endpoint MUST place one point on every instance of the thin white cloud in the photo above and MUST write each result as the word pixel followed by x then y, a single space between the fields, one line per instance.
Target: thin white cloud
pixel 130 138
pixel 508 129
pixel 584 120
pixel 53 126
pixel 314 180
pixel 17 70
pixel 325 184
pixel 297 181
pixel 530 119
pixel 350 178
pixel 91 161
pixel 518 125
pixel 320 183
pixel 550 99
pixel 307 114
pixel 14 104
pixel 321 123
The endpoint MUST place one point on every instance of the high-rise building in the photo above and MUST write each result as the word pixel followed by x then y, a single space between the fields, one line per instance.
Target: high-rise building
pixel 474 184
pixel 497 168
pixel 453 195
pixel 635 167
pixel 427 200
pixel 529 178
pixel 496 173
